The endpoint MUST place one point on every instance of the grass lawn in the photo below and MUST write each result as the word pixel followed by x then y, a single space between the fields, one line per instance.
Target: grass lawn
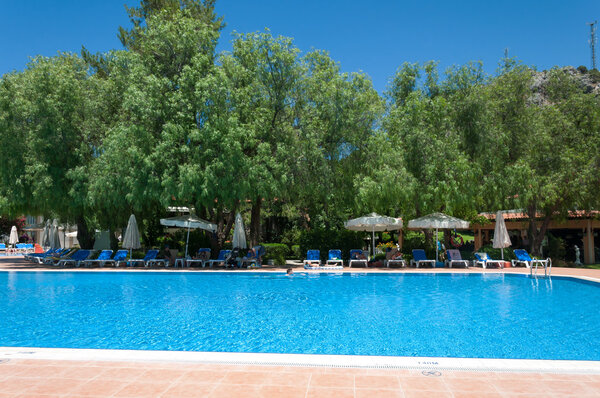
pixel 467 237
pixel 593 266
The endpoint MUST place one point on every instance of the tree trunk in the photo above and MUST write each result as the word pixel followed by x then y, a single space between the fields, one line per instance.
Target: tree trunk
pixel 114 242
pixel 224 224
pixel 84 237
pixel 255 222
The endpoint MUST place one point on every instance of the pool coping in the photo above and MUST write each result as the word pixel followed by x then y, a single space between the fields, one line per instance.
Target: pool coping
pixel 305 360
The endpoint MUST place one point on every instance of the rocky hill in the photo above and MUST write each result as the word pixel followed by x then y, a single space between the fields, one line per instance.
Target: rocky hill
pixel 589 81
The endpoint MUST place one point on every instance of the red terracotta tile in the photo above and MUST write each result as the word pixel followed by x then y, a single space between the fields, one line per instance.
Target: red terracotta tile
pixel 201 376
pixel 56 386
pixel 288 379
pixel 377 382
pixel 281 392
pixel 84 373
pixel 335 381
pixel 427 394
pixel 126 374
pixel 377 393
pixel 470 385
pixel 143 389
pixel 461 394
pixel 188 390
pixel 17 384
pixel 569 387
pixel 423 383
pixel 506 386
pixel 323 392
pixel 252 378
pixel 99 388
pixel 237 391
pixel 152 375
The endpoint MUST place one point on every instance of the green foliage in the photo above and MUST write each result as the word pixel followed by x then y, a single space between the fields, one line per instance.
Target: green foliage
pixel 295 252
pixel 556 248
pixel 278 252
pixel 325 240
pixel 496 254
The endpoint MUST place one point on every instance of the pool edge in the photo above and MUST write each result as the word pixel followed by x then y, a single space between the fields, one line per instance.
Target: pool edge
pixel 300 360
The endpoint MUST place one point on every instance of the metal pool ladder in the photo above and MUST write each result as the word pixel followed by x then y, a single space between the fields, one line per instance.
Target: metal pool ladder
pixel 547 264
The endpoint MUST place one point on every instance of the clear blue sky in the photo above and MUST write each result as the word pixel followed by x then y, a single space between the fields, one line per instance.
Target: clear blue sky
pixel 373 36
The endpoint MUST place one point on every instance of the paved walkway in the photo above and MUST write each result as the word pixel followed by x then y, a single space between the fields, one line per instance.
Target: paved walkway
pixel 38 378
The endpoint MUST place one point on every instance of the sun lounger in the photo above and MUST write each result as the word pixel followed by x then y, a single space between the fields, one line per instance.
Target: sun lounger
pixel 35 256
pixel 254 257
pixel 61 254
pixel 395 258
pixel 358 257
pixel 76 259
pixel 221 258
pixel 313 258
pixel 485 261
pixel 104 255
pixel 524 258
pixel 154 261
pixel 334 258
pixel 420 258
pixel 203 257
pixel 150 255
pixel 453 257
pixel 119 257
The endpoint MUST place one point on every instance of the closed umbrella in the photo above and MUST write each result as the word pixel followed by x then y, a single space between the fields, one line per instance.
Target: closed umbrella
pixel 54 238
pixel 189 221
pixel 131 239
pixel 438 221
pixel 239 234
pixel 14 236
pixel 46 234
pixel 501 238
pixel 374 222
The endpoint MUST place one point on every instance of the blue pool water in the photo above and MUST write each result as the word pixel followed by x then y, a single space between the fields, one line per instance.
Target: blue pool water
pixel 443 315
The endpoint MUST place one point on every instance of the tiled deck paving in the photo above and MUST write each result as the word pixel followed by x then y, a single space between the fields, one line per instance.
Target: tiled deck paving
pixel 39 378
pixel 62 378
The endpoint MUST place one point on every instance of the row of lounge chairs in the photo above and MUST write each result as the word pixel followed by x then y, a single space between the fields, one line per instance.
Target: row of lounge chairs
pixel 81 257
pixel 453 259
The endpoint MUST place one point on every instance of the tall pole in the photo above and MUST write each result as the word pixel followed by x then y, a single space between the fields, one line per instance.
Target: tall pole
pixel 593 42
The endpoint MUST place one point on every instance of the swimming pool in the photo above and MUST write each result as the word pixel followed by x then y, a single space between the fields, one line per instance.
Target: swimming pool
pixel 408 314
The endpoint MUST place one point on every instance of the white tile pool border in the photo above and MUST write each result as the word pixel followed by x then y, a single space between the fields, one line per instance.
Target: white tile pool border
pixel 336 361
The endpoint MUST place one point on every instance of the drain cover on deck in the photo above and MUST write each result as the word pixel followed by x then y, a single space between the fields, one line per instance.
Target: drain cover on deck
pixel 431 373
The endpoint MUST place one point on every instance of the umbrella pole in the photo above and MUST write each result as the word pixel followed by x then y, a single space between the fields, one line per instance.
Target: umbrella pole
pixel 187 240
pixel 436 246
pixel 502 251
pixel 373 244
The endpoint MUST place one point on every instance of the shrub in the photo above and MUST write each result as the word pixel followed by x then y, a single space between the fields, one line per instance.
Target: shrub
pixel 295 252
pixel 496 254
pixel 326 239
pixel 582 69
pixel 277 252
pixel 557 249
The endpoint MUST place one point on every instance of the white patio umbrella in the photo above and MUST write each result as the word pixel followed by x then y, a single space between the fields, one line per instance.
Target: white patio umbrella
pixel 438 221
pixel 374 222
pixel 501 238
pixel 46 234
pixel 239 233
pixel 131 239
pixel 54 238
pixel 189 221
pixel 14 236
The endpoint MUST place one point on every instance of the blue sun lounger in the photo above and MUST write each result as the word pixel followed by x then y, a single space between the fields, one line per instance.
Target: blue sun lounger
pixel 120 257
pixel 76 259
pixel 486 261
pixel 60 254
pixel 334 258
pixel 254 260
pixel 203 258
pixel 221 258
pixel 420 258
pixel 524 258
pixel 355 257
pixel 104 255
pixel 313 259
pixel 453 257
pixel 35 256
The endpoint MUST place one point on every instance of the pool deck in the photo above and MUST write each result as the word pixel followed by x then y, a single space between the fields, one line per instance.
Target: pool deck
pixel 34 372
